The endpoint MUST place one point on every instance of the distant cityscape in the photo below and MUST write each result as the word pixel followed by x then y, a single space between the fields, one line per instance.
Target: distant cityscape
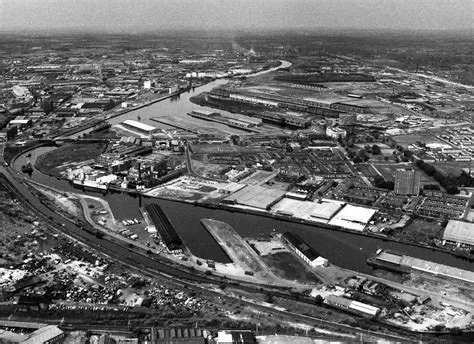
pixel 262 188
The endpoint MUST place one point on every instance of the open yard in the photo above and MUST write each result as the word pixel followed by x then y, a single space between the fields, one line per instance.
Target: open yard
pixel 287 266
pixel 68 155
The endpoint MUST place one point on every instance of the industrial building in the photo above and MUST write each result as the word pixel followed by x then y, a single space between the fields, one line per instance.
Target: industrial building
pixel 353 217
pixel 352 306
pixel 405 263
pixel 235 337
pixel 307 253
pixel 459 232
pixel 48 334
pixel 178 336
pixel 407 182
pixel 325 209
pixel 165 228
pixel 336 132
pixel 256 196
pixel 138 127
pixel 320 211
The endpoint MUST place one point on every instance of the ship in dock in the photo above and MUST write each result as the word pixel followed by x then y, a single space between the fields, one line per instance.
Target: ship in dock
pixel 89 185
pixel 396 262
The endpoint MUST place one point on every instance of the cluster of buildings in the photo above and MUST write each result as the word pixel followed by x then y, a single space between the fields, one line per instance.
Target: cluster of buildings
pixel 328 106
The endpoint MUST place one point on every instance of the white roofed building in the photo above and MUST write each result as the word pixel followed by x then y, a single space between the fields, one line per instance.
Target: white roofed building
pixel 353 217
pixel 139 127
pixel 459 231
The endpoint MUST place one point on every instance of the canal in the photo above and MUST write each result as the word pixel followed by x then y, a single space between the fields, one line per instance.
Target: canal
pixel 347 250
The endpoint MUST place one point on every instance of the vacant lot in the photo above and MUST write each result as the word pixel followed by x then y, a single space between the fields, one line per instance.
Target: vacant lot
pixel 420 231
pixel 60 159
pixel 287 266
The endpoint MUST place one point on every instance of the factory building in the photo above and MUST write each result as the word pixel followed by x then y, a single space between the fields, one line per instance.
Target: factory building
pixel 407 182
pixel 307 253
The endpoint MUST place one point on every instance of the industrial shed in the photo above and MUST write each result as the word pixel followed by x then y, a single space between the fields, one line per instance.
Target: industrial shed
pixel 353 217
pixel 459 231
pixel 256 196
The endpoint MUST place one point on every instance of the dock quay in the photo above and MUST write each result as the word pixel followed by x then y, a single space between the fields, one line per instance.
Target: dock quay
pixel 233 123
pixel 238 250
pixel 174 125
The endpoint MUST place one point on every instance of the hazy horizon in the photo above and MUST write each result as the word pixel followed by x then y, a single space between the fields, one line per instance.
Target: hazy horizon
pixel 128 16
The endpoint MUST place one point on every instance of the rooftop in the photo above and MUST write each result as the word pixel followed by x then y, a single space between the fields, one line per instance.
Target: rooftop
pixel 138 125
pixel 356 214
pixel 303 247
pixel 459 231
pixel 257 196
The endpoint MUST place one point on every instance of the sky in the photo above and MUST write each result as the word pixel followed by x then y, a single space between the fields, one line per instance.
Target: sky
pixel 154 15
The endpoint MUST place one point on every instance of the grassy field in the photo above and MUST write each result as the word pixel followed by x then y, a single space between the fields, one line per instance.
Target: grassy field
pixel 453 168
pixel 286 265
pixel 57 160
pixel 368 170
pixel 406 140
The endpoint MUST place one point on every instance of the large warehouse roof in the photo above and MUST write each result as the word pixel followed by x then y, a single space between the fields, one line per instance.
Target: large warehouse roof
pixel 459 231
pixel 353 217
pixel 257 196
pixel 325 210
pixel 356 214
pixel 139 125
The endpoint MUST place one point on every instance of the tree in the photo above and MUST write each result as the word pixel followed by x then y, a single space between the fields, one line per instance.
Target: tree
pixel 318 299
pixel 376 150
pixel 269 298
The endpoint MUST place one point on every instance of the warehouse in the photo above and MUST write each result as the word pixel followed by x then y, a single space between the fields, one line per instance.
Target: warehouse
pixel 307 253
pixel 325 209
pixel 319 211
pixel 353 217
pixel 459 231
pixel 166 229
pixel 352 306
pixel 256 196
pixel 139 127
